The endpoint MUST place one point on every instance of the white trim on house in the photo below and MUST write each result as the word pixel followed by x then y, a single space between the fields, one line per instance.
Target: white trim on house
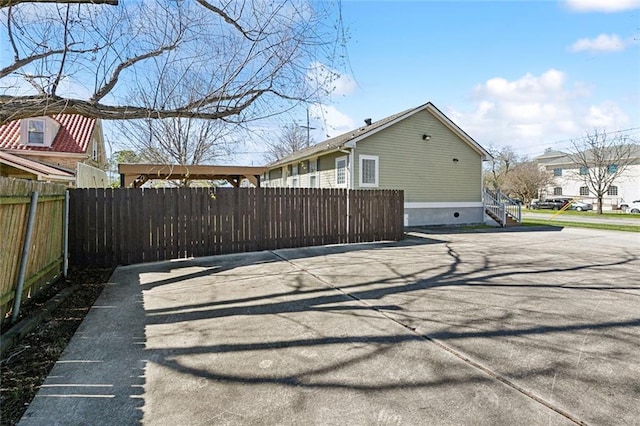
pixel 376 177
pixel 443 205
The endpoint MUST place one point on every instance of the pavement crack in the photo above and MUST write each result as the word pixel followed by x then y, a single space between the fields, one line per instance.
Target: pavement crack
pixel 440 344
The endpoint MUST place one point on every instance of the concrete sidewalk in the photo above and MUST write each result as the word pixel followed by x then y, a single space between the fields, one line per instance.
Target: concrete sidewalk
pixel 442 328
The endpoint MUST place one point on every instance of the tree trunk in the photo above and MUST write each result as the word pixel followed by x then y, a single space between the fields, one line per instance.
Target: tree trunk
pixel 599 204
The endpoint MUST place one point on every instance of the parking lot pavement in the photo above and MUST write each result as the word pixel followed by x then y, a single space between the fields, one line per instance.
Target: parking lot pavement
pixel 444 327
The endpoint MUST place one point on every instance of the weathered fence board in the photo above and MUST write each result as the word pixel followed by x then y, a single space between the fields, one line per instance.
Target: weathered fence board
pixel 45 261
pixel 125 226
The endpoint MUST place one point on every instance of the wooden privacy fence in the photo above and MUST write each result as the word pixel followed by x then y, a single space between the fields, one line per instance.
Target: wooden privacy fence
pixel 123 226
pixel 45 251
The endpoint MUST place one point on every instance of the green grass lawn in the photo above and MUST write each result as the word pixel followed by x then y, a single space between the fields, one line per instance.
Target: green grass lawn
pixel 617 215
pixel 561 223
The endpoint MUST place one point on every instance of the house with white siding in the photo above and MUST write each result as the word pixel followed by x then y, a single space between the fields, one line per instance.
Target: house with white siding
pixel 569 179
pixel 420 151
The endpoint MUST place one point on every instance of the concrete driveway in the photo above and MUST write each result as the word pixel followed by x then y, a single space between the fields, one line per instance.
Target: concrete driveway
pixel 483 328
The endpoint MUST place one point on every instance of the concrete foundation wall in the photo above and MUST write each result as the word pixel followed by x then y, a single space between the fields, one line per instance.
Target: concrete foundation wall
pixel 443 216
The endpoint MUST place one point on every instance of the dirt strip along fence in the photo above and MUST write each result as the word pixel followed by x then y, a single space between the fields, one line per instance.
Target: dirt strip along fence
pixel 45 252
pixel 124 226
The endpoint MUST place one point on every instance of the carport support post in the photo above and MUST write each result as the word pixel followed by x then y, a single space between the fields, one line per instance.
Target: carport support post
pixel 17 300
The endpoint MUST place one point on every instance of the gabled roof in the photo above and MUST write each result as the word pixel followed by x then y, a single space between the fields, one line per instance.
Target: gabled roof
pixel 73 136
pixel 558 158
pixel 44 171
pixel 346 140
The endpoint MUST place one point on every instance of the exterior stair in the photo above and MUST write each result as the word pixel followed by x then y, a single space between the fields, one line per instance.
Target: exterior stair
pixel 504 210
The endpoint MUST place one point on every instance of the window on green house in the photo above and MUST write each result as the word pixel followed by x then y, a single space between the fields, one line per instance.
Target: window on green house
pixel 341 171
pixel 369 171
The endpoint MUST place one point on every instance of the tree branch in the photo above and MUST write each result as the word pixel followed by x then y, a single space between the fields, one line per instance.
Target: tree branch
pixel 26 61
pixel 228 19
pixel 7 3
pixel 104 90
pixel 15 108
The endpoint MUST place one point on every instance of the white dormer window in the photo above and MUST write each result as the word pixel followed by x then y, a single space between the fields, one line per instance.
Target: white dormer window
pixel 35 132
pixel 38 131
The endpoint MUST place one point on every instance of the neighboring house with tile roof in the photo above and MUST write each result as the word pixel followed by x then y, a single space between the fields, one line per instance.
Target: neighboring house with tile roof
pixel 67 148
pixel 569 179
pixel 420 151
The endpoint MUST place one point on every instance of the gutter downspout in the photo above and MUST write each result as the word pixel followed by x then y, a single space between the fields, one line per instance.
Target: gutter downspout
pixel 349 186
pixel 351 156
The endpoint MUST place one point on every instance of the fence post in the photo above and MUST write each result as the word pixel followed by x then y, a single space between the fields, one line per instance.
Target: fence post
pixel 65 254
pixel 25 256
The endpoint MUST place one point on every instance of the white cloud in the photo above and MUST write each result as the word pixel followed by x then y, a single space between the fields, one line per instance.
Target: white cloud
pixel 602 43
pixel 607 115
pixel 528 87
pixel 331 121
pixel 532 112
pixel 330 81
pixel 607 6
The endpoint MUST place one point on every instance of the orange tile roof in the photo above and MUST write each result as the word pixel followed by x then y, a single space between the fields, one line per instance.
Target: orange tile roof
pixel 73 136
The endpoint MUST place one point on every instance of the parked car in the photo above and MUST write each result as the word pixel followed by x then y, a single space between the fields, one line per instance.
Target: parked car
pixel 633 207
pixel 551 203
pixel 580 206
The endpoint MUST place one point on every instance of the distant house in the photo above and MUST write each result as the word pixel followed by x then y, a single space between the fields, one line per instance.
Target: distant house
pixel 420 151
pixel 569 179
pixel 66 148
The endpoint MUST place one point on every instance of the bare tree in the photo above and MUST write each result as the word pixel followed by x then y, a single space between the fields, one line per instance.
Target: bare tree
pixel 525 181
pixel 183 141
pixel 502 161
pixel 602 158
pixel 242 59
pixel 293 138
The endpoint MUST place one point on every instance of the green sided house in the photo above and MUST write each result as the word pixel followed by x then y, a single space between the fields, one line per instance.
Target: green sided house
pixel 420 151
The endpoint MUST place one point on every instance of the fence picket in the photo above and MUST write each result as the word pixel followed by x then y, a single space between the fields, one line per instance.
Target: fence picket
pixel 124 226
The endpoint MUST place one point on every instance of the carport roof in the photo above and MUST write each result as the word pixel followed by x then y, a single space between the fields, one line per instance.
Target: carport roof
pixel 137 174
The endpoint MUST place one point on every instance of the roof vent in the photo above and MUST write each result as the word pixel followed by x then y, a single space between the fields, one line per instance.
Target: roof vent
pixel 367 121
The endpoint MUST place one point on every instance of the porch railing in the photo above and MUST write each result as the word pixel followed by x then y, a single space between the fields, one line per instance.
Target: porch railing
pixel 499 206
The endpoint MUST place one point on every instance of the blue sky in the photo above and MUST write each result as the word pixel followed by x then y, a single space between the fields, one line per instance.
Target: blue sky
pixel 526 74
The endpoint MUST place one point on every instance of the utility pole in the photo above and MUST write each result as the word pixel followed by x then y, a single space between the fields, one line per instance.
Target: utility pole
pixel 308 128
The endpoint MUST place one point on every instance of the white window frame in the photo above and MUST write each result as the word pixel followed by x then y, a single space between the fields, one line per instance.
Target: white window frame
pixel 313 172
pixel 293 180
pixel 44 132
pixel 376 176
pixel 346 171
